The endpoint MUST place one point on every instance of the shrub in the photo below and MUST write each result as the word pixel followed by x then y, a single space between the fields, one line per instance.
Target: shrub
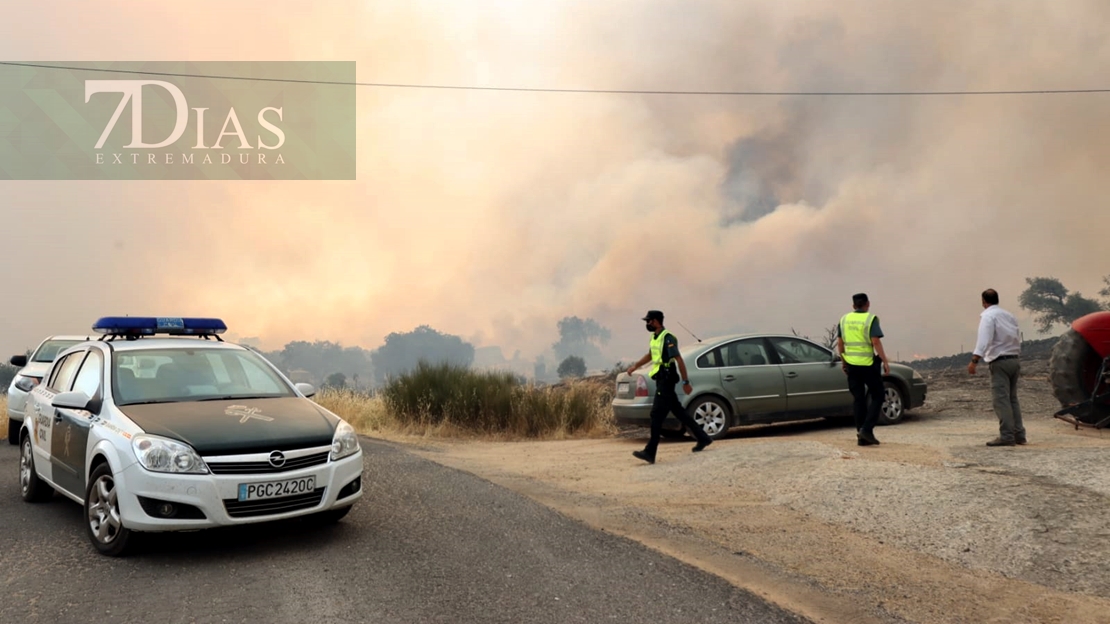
pixel 496 403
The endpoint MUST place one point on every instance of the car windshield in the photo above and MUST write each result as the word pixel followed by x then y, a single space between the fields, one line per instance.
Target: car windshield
pixel 49 350
pixel 175 375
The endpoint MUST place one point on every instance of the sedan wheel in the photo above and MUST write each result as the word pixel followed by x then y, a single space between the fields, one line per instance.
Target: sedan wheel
pixel 712 415
pixel 106 530
pixel 32 488
pixel 894 405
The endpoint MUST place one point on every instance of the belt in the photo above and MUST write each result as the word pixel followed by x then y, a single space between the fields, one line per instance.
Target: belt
pixel 1005 357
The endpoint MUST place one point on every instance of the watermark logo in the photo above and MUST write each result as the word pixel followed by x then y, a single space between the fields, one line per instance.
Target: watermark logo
pixel 259 120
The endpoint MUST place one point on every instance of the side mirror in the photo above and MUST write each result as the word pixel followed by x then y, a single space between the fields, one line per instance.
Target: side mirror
pixel 18 360
pixel 306 389
pixel 72 400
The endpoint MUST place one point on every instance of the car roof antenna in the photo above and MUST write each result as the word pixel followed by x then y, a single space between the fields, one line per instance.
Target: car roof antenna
pixel 688 331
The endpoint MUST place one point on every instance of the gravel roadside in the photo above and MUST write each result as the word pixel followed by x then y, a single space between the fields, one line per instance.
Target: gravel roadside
pixel 930 526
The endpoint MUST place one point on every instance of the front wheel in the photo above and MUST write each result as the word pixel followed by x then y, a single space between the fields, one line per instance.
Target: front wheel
pixel 712 414
pixel 894 404
pixel 103 523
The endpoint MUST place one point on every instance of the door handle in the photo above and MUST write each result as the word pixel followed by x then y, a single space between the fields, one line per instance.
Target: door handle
pixel 728 378
pixel 792 375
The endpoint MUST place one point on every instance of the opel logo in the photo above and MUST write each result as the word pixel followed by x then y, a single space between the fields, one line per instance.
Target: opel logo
pixel 277 459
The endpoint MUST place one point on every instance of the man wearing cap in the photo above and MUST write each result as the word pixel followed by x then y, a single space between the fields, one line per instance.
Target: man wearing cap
pixel 859 338
pixel 664 356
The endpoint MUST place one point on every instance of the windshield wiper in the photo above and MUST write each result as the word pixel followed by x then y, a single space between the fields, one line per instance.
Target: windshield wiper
pixel 236 397
pixel 150 402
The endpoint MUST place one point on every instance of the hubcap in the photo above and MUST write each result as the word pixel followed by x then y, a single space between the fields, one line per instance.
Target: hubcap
pixel 104 510
pixel 892 406
pixel 711 418
pixel 25 467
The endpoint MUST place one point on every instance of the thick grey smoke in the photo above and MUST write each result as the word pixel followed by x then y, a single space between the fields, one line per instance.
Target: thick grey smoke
pixel 493 214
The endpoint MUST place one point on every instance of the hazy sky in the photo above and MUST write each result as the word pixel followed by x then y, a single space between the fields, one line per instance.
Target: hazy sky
pixel 493 214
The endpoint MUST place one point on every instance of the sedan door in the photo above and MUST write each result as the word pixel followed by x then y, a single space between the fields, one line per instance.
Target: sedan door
pixel 41 413
pixel 69 450
pixel 755 385
pixel 815 383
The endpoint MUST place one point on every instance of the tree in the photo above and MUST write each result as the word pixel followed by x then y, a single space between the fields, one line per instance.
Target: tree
pixel 1105 292
pixel 403 351
pixel 7 374
pixel 581 337
pixel 1053 303
pixel 322 358
pixel 336 380
pixel 828 340
pixel 572 366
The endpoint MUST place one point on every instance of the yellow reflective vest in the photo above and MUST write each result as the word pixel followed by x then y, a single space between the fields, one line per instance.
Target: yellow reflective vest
pixel 657 353
pixel 855 329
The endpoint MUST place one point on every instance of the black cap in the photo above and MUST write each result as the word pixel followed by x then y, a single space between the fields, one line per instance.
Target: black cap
pixel 654 314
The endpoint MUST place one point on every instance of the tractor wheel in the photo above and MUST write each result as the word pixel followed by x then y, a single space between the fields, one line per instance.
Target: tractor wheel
pixel 1072 371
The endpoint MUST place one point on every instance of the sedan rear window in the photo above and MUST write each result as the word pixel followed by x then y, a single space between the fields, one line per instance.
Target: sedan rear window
pixel 173 375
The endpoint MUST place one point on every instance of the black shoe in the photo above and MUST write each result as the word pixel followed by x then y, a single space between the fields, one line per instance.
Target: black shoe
pixel 1001 442
pixel 866 440
pixel 1021 441
pixel 644 456
pixel 702 445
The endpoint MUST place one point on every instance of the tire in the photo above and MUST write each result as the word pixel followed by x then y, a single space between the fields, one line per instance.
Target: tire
pixel 13 431
pixel 32 488
pixel 894 404
pixel 713 416
pixel 102 519
pixel 1071 371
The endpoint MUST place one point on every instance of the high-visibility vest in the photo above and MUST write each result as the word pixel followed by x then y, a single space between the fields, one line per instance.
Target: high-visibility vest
pixel 855 329
pixel 657 353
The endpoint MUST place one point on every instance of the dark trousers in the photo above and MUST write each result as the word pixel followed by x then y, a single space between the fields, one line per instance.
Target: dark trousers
pixel 866 385
pixel 1004 383
pixel 667 401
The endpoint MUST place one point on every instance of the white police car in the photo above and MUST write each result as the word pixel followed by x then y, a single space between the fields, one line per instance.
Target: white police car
pixel 181 433
pixel 30 373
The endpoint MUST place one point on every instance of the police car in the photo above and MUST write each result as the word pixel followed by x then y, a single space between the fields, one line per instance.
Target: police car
pixel 160 425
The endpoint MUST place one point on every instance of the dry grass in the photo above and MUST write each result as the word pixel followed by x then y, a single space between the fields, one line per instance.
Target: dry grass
pixel 455 402
pixel 4 414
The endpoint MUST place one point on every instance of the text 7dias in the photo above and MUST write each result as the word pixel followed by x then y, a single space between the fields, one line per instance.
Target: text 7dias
pixel 132 91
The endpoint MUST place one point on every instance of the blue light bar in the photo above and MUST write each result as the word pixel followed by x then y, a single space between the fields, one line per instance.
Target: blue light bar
pixel 151 325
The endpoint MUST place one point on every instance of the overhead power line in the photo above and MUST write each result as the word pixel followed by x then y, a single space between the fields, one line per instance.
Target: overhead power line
pixel 555 90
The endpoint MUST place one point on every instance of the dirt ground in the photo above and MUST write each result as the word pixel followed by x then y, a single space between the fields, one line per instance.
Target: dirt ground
pixel 930 526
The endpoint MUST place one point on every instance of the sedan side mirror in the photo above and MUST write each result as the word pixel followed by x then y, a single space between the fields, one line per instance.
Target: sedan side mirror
pixel 72 400
pixel 18 360
pixel 306 389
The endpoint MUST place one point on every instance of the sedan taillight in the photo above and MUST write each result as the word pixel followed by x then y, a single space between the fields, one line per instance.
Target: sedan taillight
pixel 641 386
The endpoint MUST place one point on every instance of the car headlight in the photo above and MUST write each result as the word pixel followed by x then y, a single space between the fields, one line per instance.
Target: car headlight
pixel 345 441
pixel 917 375
pixel 26 384
pixel 163 455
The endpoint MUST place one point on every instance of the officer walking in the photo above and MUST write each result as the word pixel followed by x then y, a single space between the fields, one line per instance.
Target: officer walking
pixel 859 338
pixel 664 356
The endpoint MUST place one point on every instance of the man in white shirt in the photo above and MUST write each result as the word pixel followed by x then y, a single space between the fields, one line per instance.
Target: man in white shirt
pixel 999 345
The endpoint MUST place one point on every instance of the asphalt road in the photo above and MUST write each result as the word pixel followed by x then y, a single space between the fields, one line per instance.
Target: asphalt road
pixel 425 544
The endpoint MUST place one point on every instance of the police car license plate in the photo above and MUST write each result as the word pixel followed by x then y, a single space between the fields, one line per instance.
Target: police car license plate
pixel 622 387
pixel 276 489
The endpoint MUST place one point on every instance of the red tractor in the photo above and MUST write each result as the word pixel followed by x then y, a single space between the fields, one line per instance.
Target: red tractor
pixel 1079 371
